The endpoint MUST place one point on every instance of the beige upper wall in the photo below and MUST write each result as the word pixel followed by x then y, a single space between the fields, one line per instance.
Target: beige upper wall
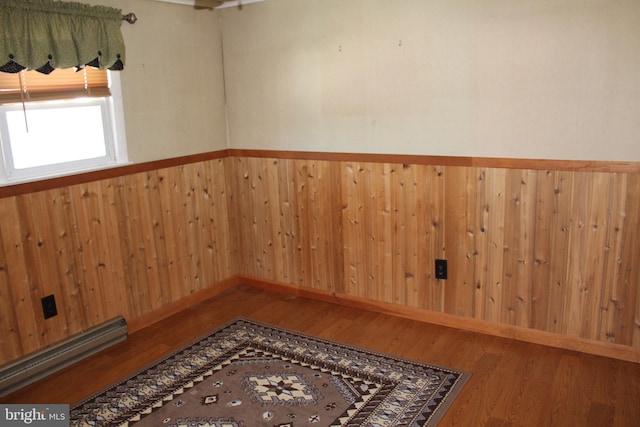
pixel 172 84
pixel 557 79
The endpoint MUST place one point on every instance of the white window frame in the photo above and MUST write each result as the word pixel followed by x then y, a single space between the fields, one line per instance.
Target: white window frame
pixel 115 139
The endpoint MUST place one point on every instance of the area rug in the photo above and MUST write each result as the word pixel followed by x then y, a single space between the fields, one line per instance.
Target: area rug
pixel 248 374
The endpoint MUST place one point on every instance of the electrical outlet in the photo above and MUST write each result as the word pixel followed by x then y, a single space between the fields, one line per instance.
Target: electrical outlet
pixel 441 269
pixel 49 306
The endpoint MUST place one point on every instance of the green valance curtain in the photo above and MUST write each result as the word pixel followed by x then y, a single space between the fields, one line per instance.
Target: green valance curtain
pixel 44 35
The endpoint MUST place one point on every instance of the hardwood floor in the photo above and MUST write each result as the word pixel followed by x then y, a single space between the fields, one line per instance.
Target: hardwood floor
pixel 513 383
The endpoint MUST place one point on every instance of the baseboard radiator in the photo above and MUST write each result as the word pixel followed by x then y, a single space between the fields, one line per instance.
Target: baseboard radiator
pixel 45 362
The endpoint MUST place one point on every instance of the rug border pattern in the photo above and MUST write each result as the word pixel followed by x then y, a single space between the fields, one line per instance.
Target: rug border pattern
pixel 438 404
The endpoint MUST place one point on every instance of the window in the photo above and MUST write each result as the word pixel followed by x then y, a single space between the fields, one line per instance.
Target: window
pixel 58 124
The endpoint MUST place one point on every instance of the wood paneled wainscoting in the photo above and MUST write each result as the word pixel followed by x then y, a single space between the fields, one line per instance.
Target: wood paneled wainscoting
pixel 542 251
pixel 132 241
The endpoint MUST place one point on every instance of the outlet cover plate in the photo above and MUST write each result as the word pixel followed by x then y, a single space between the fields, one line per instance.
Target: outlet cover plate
pixel 441 269
pixel 49 306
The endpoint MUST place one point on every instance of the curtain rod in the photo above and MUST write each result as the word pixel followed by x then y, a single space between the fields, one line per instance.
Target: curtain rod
pixel 131 18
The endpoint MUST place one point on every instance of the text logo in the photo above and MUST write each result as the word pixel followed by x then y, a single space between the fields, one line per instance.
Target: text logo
pixel 34 415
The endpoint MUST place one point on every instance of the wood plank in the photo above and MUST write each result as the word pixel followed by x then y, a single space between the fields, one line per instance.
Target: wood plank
pixel 32 242
pixel 403 275
pixel 321 218
pixel 46 257
pixel 425 291
pixel 202 212
pixel 244 217
pixel 612 251
pixel 172 221
pixel 590 201
pixel 115 298
pixel 542 257
pixel 526 248
pixel 463 285
pixel 519 240
pixel 368 254
pixel 560 234
pixel 304 242
pixel 300 221
pixel 627 390
pixel 260 223
pixel 383 233
pixel 144 216
pixel 121 290
pixel 185 197
pixel 627 294
pixel 216 225
pixel 288 223
pixel 351 219
pixel 567 411
pixel 134 247
pixel 331 185
pixel 412 281
pixel 597 279
pixel 231 213
pixel 576 296
pixel 268 196
pixel 11 340
pixel 434 235
pixel 494 208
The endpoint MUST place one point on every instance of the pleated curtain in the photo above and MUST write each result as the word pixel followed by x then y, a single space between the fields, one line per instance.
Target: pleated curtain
pixel 44 35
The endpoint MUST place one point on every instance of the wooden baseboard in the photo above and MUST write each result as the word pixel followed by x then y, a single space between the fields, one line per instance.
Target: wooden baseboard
pixel 614 351
pixel 177 306
pixel 534 336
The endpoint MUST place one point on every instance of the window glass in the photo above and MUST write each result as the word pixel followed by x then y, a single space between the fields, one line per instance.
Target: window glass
pixel 41 139
pixel 47 136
